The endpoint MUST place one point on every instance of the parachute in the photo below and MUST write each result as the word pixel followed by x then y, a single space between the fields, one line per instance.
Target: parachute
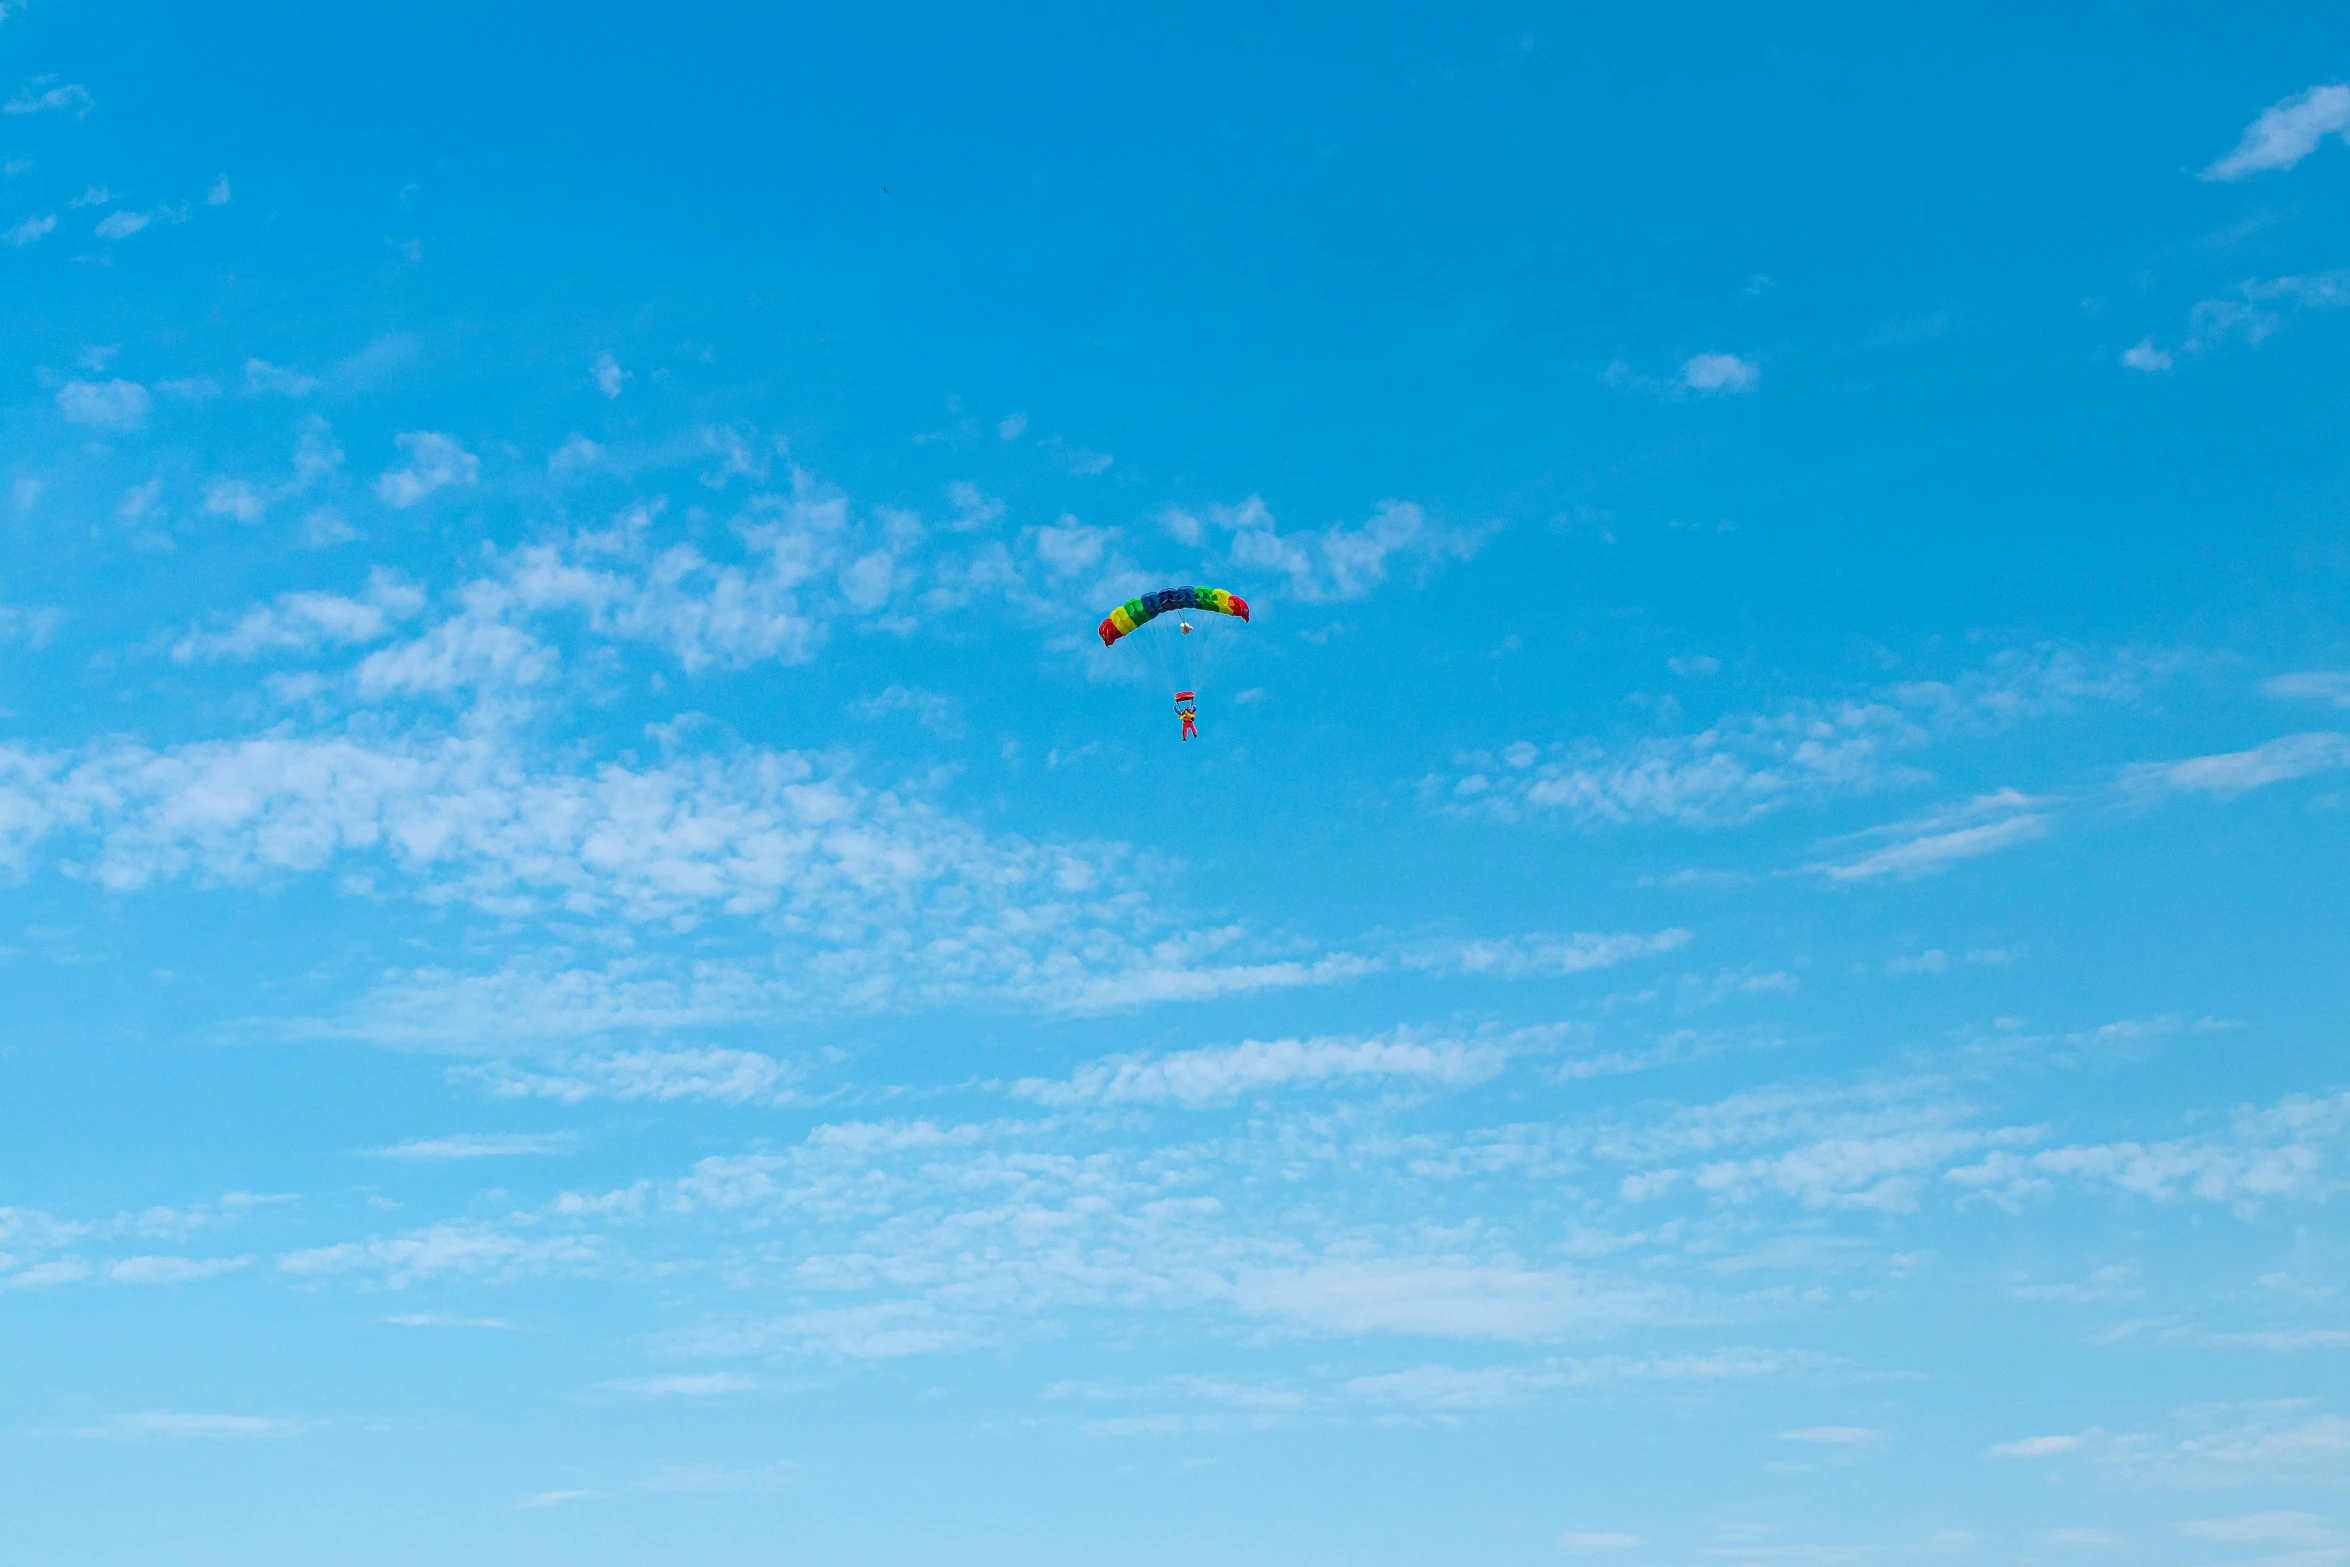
pixel 1135 612
pixel 1173 654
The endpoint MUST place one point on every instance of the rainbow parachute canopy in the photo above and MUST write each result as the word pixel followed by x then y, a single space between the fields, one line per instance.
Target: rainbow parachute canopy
pixel 1134 612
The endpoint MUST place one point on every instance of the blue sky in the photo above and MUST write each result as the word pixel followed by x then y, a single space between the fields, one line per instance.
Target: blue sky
pixel 601 967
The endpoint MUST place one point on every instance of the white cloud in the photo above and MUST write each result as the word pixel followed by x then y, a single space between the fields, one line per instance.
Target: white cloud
pixel 608 375
pixel 305 622
pixel 704 1385
pixel 2286 132
pixel 323 527
pixel 2316 685
pixel 45 93
pixel 2036 1447
pixel 573 456
pixel 1584 1542
pixel 46 1275
pixel 1448 1297
pixel 2270 1448
pixel 434 462
pixel 629 586
pixel 1076 459
pixel 1337 562
pixel 2237 772
pixel 108 405
pixel 217 193
pixel 1834 1436
pixel 173 1270
pixel 882 899
pixel 550 1499
pixel 887 1330
pixel 2143 355
pixel 2105 1286
pixel 1449 1387
pixel 1221 1074
pixel 974 508
pixel 865 582
pixel 2254 314
pixel 1512 957
pixel 1746 765
pixel 933 711
pixel 33 626
pixel 262 376
pixel 196 1428
pixel 495 1145
pixel 725 1076
pixel 30 229
pixel 2303 1529
pixel 2272 1154
pixel 1930 852
pixel 234 498
pixel 2090 1537
pixel 1069 546
pixel 472 651
pixel 1012 426
pixel 1720 373
pixel 451 1250
pixel 139 501
pixel 2189 1335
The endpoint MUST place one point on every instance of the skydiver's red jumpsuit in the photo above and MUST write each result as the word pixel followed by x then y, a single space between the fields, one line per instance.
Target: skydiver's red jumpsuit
pixel 1190 731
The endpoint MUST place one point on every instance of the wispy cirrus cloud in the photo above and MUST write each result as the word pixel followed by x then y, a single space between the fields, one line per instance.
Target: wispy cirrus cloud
pixel 1747 765
pixel 2277 1154
pixel 2232 773
pixel 2256 311
pixel 1834 1436
pixel 1443 1387
pixel 710 1384
pixel 456 1249
pixel 1448 1297
pixel 1513 957
pixel 1222 1074
pixel 48 95
pixel 159 1426
pixel 174 1270
pixel 480 1145
pixel 1932 844
pixel 717 1075
pixel 2286 132
pixel 2315 685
